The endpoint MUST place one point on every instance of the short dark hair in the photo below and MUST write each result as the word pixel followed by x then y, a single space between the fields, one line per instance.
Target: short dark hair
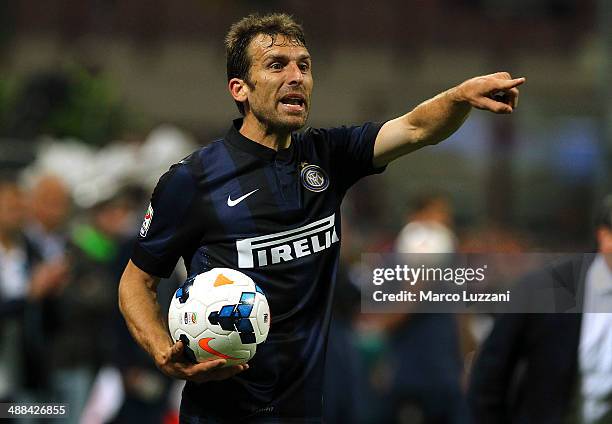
pixel 242 32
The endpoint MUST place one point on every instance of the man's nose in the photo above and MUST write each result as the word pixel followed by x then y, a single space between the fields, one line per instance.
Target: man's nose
pixel 295 74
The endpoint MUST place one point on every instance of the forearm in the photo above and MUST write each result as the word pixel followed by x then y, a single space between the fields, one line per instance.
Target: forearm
pixel 138 304
pixel 439 117
pixel 429 123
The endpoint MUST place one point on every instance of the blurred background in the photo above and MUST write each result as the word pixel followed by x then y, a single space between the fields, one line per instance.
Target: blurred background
pixel 99 97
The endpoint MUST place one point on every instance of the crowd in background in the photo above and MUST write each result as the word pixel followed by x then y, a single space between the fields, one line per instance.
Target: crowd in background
pixel 58 302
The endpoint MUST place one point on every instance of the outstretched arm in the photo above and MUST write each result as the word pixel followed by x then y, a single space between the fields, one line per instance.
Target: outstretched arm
pixel 437 118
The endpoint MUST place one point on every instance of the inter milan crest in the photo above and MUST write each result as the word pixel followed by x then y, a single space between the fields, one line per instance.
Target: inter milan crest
pixel 314 178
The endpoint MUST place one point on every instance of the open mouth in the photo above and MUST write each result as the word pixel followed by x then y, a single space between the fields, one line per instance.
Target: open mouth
pixel 293 102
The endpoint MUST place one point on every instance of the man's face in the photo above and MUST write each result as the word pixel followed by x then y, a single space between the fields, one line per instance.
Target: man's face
pixel 50 203
pixel 280 83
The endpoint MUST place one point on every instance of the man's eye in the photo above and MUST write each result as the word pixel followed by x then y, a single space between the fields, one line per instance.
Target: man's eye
pixel 276 65
pixel 304 67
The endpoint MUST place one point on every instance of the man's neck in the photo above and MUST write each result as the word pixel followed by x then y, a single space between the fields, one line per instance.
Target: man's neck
pixel 255 130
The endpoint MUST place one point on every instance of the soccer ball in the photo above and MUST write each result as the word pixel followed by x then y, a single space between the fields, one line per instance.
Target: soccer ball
pixel 221 313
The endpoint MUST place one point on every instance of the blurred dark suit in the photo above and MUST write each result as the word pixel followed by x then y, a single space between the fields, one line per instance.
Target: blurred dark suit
pixel 26 318
pixel 527 369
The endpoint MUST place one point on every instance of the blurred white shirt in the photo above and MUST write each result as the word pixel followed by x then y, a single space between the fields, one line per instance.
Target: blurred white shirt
pixel 13 273
pixel 13 286
pixel 425 237
pixel 595 350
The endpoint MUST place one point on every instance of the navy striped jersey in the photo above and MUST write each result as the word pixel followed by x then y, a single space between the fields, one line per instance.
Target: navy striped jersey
pixel 276 217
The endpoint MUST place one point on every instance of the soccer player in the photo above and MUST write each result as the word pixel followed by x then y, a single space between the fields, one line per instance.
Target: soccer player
pixel 265 199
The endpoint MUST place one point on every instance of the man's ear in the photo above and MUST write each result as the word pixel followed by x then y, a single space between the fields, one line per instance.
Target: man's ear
pixel 239 89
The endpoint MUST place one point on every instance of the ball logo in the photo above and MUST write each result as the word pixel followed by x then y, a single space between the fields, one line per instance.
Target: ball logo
pixel 190 318
pixel 314 178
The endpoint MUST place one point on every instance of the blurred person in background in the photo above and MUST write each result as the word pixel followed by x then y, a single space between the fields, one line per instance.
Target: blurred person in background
pixel 81 334
pixel 128 387
pixel 553 368
pixel 429 215
pixel 25 281
pixel 49 206
pixel 345 387
pixel 419 370
pixel 501 241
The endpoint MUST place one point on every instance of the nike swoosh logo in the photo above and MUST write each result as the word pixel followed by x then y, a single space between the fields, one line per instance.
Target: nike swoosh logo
pixel 232 203
pixel 203 343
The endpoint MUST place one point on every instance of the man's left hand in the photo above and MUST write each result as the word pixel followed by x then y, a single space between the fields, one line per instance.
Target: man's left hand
pixel 497 92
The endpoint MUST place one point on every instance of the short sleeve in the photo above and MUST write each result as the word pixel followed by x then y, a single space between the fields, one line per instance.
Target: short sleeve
pixel 166 231
pixel 352 150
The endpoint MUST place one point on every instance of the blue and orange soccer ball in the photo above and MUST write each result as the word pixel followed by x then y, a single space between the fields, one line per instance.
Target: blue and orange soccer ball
pixel 221 313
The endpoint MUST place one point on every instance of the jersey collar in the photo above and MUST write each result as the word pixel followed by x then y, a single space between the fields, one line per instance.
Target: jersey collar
pixel 243 143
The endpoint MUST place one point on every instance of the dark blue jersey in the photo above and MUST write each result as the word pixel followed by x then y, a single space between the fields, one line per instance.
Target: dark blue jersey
pixel 276 217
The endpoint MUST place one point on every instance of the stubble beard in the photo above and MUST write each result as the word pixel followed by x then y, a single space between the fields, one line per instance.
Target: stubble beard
pixel 279 124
